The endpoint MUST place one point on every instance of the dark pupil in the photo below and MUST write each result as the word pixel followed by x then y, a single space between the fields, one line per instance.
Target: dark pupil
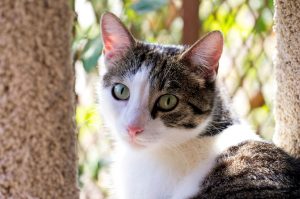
pixel 122 90
pixel 168 101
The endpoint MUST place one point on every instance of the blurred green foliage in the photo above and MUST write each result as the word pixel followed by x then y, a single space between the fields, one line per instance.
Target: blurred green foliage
pixel 145 6
pixel 245 68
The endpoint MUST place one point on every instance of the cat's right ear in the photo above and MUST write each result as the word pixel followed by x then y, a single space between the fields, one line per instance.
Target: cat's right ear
pixel 117 40
pixel 204 55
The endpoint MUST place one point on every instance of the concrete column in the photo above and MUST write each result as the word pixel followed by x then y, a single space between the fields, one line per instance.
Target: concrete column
pixel 37 129
pixel 287 74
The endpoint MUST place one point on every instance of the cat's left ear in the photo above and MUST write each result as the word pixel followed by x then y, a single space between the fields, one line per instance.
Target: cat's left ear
pixel 117 40
pixel 203 56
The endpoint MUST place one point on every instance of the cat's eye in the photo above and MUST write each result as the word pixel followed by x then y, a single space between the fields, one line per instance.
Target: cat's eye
pixel 120 92
pixel 167 102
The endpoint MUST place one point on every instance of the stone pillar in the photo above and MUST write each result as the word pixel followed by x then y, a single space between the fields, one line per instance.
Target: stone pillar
pixel 287 74
pixel 37 103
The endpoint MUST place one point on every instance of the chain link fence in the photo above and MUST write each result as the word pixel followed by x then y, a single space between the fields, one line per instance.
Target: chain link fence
pixel 246 66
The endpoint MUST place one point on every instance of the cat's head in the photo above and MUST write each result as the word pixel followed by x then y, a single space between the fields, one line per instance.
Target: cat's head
pixel 156 95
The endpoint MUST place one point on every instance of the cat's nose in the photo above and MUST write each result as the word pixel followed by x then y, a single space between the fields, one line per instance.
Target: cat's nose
pixel 134 130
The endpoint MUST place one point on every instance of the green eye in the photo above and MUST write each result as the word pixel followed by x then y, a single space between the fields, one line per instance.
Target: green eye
pixel 120 92
pixel 167 102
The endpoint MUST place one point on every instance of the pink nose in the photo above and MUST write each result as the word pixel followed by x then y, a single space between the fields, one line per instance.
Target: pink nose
pixel 134 130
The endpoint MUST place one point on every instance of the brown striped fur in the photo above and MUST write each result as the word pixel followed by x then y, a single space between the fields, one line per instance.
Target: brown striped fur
pixel 253 170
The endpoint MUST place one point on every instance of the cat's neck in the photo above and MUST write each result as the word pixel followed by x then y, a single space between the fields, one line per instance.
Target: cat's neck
pixel 222 115
pixel 182 158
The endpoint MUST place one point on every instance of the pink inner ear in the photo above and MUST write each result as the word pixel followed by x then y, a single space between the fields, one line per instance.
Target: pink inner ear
pixel 207 51
pixel 116 38
pixel 108 46
pixel 115 44
pixel 108 43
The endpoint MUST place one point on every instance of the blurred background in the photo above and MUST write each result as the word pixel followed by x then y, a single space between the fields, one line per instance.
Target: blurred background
pixel 245 66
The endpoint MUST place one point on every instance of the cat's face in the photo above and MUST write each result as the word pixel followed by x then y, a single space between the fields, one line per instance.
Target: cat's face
pixel 154 95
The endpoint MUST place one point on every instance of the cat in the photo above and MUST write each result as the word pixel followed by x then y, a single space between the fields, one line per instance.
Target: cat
pixel 176 135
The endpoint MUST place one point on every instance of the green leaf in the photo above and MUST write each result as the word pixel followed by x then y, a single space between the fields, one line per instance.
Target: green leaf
pixel 270 5
pixel 87 119
pixel 91 53
pixel 144 6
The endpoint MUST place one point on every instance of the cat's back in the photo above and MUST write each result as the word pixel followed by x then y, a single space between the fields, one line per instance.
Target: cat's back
pixel 253 170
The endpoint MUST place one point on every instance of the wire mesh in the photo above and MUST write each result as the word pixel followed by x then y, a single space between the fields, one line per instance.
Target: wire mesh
pixel 246 65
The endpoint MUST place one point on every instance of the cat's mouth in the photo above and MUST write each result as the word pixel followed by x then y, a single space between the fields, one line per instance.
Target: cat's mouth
pixel 133 142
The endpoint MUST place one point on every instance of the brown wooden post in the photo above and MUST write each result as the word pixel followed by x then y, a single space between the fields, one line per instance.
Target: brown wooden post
pixel 191 21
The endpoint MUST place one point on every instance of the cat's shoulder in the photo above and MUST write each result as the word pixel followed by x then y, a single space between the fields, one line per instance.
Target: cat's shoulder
pixel 253 169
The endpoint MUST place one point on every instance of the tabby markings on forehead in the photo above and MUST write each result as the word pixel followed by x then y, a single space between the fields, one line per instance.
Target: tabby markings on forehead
pixel 154 56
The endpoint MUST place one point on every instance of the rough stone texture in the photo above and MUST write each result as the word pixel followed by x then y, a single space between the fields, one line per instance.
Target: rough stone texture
pixel 37 139
pixel 287 73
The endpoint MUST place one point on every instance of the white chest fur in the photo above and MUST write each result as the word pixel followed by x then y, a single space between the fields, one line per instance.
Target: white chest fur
pixel 172 173
pixel 143 177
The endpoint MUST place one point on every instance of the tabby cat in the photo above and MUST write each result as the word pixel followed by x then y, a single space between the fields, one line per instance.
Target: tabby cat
pixel 176 136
